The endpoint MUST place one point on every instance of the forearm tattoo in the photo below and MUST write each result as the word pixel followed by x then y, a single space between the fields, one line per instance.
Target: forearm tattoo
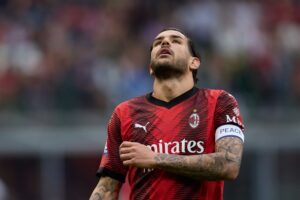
pixel 213 166
pixel 96 196
pixel 233 148
pixel 107 188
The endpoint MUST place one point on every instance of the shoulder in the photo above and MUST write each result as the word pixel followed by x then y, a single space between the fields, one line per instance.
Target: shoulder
pixel 217 97
pixel 131 103
pixel 225 96
pixel 214 93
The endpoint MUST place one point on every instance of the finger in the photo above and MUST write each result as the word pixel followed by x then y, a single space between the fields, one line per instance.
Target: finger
pixel 124 157
pixel 127 162
pixel 125 150
pixel 127 144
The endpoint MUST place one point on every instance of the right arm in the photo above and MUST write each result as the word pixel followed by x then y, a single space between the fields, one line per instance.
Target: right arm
pixel 107 188
pixel 111 170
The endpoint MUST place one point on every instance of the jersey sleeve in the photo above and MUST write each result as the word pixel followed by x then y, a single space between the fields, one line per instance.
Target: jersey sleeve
pixel 228 120
pixel 111 164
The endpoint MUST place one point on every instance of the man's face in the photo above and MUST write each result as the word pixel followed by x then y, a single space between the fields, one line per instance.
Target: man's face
pixel 170 55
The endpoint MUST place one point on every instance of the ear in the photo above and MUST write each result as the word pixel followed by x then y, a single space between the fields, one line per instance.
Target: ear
pixel 195 63
pixel 150 70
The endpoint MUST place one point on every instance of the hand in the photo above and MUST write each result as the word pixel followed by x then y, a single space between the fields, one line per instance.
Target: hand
pixel 137 155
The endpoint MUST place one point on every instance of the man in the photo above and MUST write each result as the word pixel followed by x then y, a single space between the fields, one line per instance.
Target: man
pixel 178 142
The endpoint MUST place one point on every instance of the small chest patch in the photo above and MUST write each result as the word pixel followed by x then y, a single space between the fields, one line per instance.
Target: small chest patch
pixel 194 120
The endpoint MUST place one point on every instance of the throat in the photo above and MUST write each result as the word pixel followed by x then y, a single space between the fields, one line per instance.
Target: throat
pixel 166 94
pixel 169 90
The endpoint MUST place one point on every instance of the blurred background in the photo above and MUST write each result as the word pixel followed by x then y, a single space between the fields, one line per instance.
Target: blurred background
pixel 65 64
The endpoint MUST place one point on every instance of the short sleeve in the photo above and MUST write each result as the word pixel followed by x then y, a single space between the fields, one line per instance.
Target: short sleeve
pixel 227 119
pixel 111 164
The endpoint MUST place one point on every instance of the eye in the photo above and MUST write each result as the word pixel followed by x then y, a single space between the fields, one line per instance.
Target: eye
pixel 176 41
pixel 156 43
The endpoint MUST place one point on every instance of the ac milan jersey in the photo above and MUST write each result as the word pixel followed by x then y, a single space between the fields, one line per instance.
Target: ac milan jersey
pixel 187 125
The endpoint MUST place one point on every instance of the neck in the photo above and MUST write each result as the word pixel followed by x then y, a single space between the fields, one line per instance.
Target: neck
pixel 166 90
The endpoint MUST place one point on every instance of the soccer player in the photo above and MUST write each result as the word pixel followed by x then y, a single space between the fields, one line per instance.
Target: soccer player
pixel 177 142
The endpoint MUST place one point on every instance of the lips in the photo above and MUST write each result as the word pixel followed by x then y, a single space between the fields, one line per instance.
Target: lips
pixel 164 51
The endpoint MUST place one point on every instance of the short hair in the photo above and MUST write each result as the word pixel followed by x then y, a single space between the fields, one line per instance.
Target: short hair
pixel 192 48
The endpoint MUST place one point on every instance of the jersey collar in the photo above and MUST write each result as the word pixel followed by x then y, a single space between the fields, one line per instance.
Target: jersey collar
pixel 174 101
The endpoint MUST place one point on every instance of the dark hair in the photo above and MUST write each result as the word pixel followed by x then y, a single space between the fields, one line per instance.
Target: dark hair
pixel 192 48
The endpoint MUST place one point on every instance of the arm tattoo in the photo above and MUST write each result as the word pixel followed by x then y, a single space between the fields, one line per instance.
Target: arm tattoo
pixel 166 158
pixel 96 196
pixel 213 166
pixel 232 149
pixel 107 188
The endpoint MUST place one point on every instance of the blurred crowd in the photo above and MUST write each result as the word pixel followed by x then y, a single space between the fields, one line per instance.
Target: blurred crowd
pixel 92 54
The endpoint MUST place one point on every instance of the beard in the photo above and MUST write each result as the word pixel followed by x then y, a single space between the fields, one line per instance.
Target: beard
pixel 164 70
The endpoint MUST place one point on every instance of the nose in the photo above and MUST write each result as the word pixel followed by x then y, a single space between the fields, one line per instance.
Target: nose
pixel 165 42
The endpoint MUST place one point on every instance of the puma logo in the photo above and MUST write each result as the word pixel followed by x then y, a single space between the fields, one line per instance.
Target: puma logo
pixel 136 125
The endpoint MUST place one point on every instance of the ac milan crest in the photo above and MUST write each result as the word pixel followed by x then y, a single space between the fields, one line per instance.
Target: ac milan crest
pixel 194 120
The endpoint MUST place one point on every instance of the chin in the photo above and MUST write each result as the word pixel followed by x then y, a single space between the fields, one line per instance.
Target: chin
pixel 165 70
pixel 164 62
pixel 162 65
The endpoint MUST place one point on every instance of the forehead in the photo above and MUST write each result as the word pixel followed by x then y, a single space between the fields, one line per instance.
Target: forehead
pixel 170 33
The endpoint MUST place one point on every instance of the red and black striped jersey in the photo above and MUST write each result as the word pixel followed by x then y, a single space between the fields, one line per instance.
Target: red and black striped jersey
pixel 187 125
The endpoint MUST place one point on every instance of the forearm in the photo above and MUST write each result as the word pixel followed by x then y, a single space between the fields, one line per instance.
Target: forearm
pixel 107 188
pixel 224 164
pixel 209 167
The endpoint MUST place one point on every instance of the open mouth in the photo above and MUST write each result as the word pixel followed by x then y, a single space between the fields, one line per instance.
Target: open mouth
pixel 164 52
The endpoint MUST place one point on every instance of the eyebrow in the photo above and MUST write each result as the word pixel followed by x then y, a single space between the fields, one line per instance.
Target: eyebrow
pixel 172 36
